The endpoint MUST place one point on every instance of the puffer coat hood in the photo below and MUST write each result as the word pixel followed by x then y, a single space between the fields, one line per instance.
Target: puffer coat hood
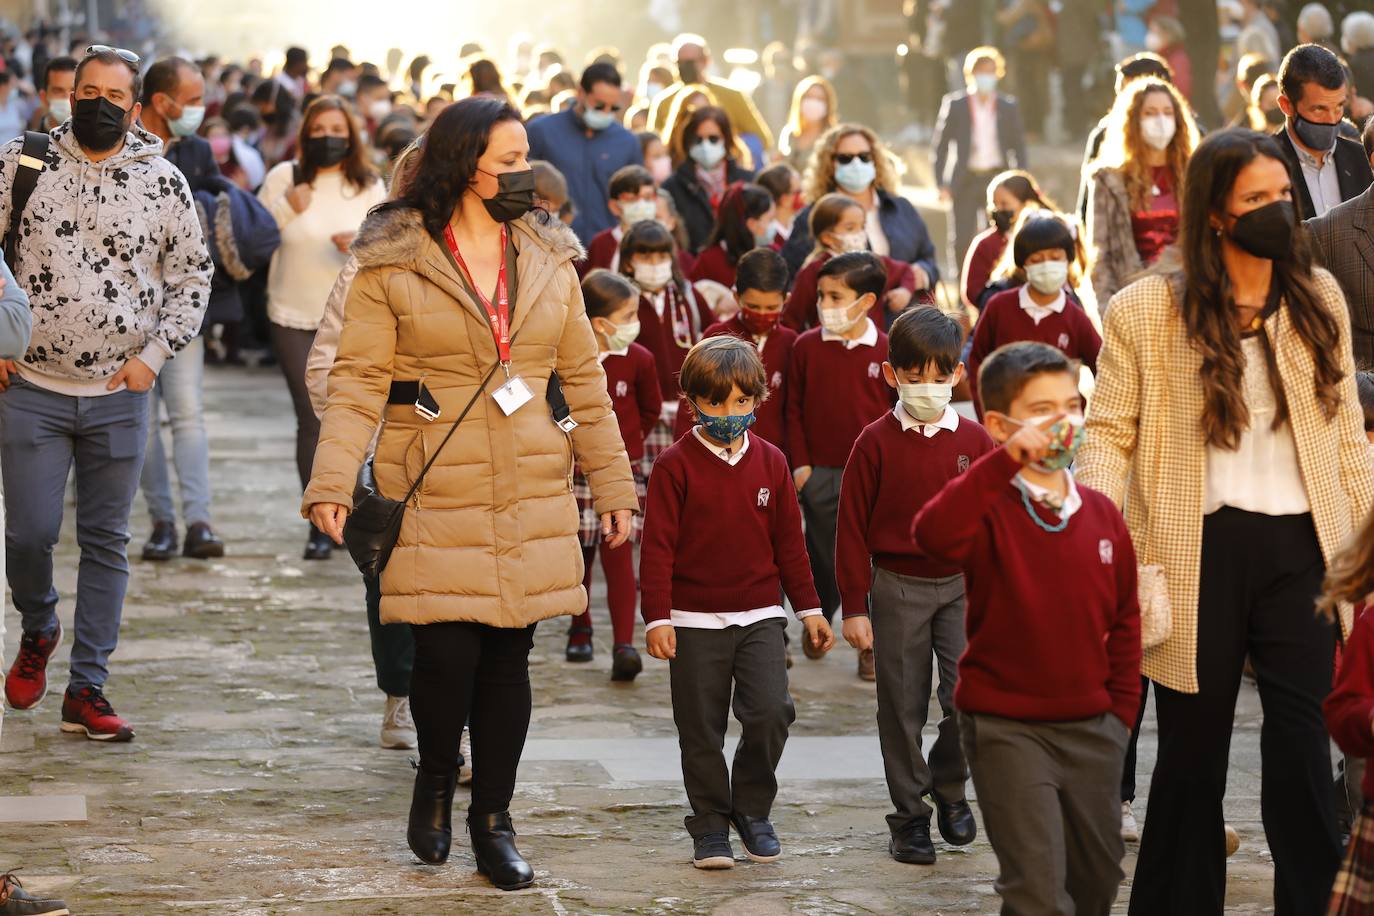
pixel 490 536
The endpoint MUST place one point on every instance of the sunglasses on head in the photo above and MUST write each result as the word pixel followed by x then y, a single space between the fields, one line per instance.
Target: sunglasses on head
pixel 129 57
pixel 846 158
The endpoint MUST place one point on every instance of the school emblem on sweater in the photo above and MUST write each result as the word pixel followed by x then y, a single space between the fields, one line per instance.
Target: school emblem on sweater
pixel 875 370
pixel 622 389
pixel 1104 550
pixel 763 497
pixel 776 383
pixel 963 463
pixel 1064 342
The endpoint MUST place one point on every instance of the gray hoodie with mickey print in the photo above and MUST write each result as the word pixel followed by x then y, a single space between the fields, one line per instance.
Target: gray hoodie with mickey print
pixel 112 258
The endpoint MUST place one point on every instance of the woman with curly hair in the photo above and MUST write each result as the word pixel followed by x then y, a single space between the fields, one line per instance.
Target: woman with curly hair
pixel 851 160
pixel 1137 183
pixel 1226 423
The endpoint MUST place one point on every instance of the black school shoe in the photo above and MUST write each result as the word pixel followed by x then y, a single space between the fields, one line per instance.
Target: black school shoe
pixel 955 820
pixel 162 543
pixel 713 850
pixel 912 844
pixel 625 663
pixel 759 839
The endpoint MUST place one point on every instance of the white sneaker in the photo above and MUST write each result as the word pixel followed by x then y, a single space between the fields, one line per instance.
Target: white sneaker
pixel 1130 830
pixel 465 748
pixel 398 729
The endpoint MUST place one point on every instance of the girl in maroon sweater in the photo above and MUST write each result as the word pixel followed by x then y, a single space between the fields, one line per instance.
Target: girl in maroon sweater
pixel 760 284
pixel 722 542
pixel 1045 254
pixel 1350 712
pixel 742 223
pixel 1008 194
pixel 837 225
pixel 632 382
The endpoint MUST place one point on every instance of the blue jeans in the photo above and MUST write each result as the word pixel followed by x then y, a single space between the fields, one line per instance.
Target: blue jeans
pixel 179 387
pixel 42 434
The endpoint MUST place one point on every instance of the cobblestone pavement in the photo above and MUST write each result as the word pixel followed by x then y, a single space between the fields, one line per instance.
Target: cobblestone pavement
pixel 256 785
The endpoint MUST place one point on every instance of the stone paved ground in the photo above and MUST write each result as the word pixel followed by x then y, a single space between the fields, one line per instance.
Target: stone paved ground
pixel 256 785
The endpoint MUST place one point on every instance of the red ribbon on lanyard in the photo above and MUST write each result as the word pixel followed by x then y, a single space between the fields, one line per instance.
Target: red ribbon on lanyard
pixel 500 313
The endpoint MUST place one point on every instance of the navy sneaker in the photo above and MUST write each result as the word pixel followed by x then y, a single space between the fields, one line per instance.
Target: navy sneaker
pixel 713 850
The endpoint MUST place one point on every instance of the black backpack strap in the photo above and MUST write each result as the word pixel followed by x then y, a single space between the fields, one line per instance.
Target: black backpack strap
pixel 295 172
pixel 33 159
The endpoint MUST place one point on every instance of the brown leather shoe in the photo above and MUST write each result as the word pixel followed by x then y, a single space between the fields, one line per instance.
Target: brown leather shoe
pixel 868 669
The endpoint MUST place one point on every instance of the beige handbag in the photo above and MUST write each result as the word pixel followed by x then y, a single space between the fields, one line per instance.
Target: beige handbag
pixel 1156 613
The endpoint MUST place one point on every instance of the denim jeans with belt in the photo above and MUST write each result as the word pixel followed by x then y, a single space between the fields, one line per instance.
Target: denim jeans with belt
pixel 42 434
pixel 179 387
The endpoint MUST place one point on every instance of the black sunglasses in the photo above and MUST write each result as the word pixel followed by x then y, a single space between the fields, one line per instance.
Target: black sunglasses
pixel 846 158
pixel 611 108
pixel 129 57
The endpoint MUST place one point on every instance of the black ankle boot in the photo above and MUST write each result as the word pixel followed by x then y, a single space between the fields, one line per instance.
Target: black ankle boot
pixel 493 846
pixel 431 808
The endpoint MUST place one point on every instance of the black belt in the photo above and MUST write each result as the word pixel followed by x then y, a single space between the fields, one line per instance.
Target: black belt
pixel 404 393
pixel 409 393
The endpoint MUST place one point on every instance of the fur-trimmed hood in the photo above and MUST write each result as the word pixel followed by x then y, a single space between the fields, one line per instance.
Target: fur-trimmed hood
pixel 397 237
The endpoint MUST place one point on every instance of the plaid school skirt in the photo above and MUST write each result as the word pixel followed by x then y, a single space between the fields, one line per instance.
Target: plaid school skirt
pixel 660 437
pixel 589 524
pixel 1353 892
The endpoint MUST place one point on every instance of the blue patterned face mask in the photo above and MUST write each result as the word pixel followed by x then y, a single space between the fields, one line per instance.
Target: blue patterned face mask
pixel 724 429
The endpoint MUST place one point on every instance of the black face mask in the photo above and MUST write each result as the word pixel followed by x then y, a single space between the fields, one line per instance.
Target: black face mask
pixel 327 151
pixel 514 196
pixel 1314 134
pixel 1002 220
pixel 689 71
pixel 1266 232
pixel 1274 117
pixel 98 124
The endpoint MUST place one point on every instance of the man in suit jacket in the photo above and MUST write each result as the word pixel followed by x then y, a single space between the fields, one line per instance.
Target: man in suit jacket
pixel 984 127
pixel 1327 168
pixel 1344 240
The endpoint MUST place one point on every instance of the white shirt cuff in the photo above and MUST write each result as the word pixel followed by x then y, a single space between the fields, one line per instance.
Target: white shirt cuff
pixel 802 615
pixel 657 623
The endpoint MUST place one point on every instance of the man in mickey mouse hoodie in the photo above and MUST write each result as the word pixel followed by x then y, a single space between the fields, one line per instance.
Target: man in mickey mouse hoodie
pixel 111 255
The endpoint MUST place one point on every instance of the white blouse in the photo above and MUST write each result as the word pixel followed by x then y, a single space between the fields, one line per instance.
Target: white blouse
pixel 1262 475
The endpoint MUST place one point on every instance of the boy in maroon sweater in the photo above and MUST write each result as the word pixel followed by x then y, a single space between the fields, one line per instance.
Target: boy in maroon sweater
pixel 722 542
pixel 1050 682
pixel 835 388
pixel 632 382
pixel 632 197
pixel 915 603
pixel 760 284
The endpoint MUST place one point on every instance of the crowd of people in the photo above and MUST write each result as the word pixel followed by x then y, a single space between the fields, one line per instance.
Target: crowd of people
pixel 545 314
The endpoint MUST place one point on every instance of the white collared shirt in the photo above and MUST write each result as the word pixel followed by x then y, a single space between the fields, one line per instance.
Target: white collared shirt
pixel 948 420
pixel 616 233
pixel 1323 183
pixel 868 338
pixel 698 620
pixel 984 154
pixel 601 357
pixel 659 300
pixel 1035 310
pixel 1072 502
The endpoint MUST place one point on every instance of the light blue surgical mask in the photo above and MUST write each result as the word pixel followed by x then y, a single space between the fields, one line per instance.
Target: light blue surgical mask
pixel 856 175
pixel 189 122
pixel 708 153
pixel 60 110
pixel 724 429
pixel 986 83
pixel 597 120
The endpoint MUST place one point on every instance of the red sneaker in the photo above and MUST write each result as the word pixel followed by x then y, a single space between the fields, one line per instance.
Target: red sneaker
pixel 88 712
pixel 27 682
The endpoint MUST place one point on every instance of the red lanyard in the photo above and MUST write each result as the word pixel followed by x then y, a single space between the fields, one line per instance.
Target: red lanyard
pixel 500 313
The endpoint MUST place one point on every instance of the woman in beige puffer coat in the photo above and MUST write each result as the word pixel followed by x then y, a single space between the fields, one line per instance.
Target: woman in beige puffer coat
pixel 488 546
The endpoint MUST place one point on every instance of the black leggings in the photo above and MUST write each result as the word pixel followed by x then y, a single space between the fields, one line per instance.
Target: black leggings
pixel 473 673
pixel 293 349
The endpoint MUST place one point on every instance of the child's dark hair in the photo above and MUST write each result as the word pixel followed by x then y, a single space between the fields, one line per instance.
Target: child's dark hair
pixel 629 179
pixel 762 269
pixel 825 213
pixel 1039 232
pixel 776 180
pixel 861 271
pixel 922 336
pixel 743 201
pixel 714 367
pixel 648 237
pixel 606 292
pixel 1364 387
pixel 1010 369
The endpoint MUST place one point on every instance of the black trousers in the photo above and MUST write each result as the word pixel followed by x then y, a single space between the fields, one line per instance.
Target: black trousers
pixel 292 347
pixel 393 647
pixel 1128 769
pixel 708 664
pixel 473 673
pixel 1260 576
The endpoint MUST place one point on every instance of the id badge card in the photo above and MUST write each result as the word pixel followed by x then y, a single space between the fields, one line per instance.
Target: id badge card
pixel 513 395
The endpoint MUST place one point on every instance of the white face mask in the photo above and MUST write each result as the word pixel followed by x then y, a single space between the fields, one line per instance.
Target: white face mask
pixel 1158 130
pixel 625 334
pixel 925 403
pixel 637 211
pixel 653 277
pixel 814 110
pixel 841 320
pixel 1048 276
pixel 846 242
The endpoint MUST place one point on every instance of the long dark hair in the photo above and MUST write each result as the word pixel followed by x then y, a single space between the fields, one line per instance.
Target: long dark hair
pixel 1207 298
pixel 740 203
pixel 356 169
pixel 452 146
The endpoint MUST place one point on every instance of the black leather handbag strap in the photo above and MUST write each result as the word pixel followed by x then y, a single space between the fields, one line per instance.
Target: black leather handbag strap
pixel 33 159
